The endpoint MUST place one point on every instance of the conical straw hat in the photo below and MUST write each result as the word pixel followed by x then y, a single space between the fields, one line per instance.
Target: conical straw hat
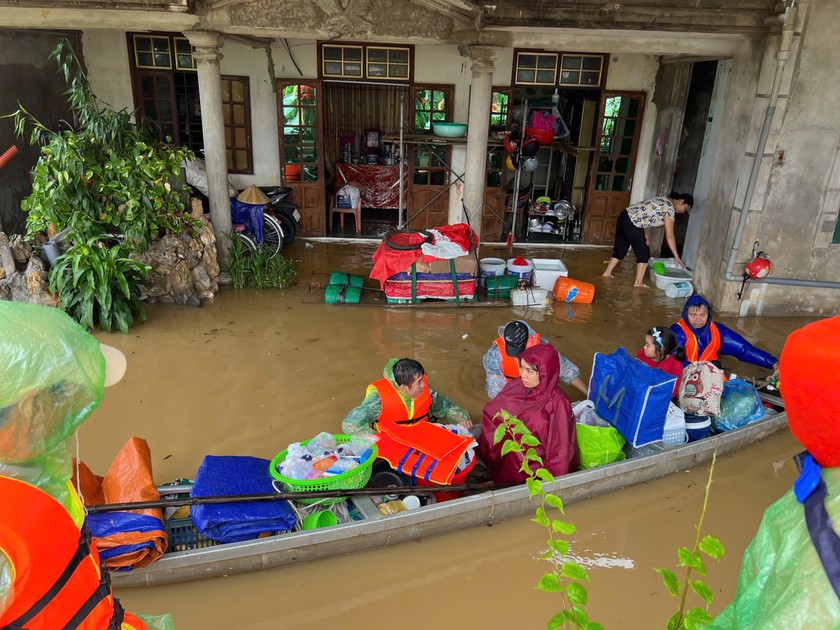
pixel 253 195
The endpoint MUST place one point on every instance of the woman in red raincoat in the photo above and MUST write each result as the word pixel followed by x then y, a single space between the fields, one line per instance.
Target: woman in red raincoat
pixel 535 399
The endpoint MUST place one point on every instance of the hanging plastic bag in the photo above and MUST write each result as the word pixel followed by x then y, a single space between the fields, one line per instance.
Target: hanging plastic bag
pixel 542 119
pixel 740 405
pixel 561 129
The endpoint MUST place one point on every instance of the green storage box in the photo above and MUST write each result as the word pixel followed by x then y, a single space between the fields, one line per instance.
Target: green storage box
pixel 500 286
pixel 342 294
pixel 348 279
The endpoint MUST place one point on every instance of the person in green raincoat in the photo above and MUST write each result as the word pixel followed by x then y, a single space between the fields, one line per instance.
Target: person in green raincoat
pixel 52 377
pixel 790 576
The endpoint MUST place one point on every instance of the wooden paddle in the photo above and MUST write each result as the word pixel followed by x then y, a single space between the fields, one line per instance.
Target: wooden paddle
pixel 285 496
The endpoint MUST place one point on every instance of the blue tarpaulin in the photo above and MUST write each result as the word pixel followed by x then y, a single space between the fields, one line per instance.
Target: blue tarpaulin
pixel 250 215
pixel 234 522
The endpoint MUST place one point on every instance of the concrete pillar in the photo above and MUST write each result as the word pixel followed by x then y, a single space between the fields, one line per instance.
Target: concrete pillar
pixel 206 53
pixel 481 91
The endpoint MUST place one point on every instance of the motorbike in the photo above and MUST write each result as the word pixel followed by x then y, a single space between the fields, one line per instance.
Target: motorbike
pixel 286 212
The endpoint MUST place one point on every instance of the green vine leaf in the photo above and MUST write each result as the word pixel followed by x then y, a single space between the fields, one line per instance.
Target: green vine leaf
pixel 510 447
pixel 559 545
pixel 562 527
pixel 549 583
pixel 577 593
pixel 670 580
pixel 702 590
pixel 540 517
pixel 534 487
pixel 692 560
pixel 697 619
pixel 530 440
pixel 559 619
pixel 574 571
pixel 499 433
pixel 674 621
pixel 712 547
pixel 554 501
pixel 594 625
pixel 544 475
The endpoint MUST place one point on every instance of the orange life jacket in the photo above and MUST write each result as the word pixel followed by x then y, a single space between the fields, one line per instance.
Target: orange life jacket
pixel 394 408
pixel 58 581
pixel 510 366
pixel 710 352
pixel 424 450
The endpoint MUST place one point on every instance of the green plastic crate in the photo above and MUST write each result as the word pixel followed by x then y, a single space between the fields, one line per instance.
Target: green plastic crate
pixel 347 279
pixel 500 286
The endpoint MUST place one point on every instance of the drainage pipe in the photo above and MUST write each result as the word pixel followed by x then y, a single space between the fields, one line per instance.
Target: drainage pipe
pixel 781 59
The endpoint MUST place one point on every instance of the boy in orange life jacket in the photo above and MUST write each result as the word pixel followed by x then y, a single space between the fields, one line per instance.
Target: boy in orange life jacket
pixel 705 340
pixel 403 396
pixel 500 360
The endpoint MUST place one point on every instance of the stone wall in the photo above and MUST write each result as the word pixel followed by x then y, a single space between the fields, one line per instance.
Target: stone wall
pixel 22 275
pixel 184 267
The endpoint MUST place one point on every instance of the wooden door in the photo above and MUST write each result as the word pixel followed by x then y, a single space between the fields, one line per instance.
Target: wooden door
pixel 611 176
pixel 299 115
pixel 154 97
pixel 493 213
pixel 428 198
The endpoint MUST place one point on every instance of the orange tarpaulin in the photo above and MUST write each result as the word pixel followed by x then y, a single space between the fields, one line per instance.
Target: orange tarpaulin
pixel 133 538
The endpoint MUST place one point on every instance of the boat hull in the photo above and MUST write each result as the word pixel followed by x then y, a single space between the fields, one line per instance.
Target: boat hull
pixel 471 511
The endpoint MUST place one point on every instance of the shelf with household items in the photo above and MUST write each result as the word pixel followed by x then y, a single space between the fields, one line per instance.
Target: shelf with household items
pixel 547 218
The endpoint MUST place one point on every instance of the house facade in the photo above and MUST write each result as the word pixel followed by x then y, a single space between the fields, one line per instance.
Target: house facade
pixel 730 101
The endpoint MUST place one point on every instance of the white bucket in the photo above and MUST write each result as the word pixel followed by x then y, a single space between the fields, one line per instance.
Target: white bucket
pixel 679 289
pixel 534 297
pixel 547 270
pixel 491 267
pixel 522 271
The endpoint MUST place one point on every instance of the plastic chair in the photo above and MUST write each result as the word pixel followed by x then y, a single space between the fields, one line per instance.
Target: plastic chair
pixel 357 212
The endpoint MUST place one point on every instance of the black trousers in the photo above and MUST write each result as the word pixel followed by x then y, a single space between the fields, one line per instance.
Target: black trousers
pixel 628 235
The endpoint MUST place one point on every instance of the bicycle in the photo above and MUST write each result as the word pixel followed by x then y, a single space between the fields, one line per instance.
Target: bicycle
pixel 272 241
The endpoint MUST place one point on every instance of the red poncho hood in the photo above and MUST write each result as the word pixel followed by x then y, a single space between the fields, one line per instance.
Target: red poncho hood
pixel 546 412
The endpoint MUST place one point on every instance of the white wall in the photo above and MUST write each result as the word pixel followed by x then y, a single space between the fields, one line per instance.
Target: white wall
pixel 106 54
pixel 637 73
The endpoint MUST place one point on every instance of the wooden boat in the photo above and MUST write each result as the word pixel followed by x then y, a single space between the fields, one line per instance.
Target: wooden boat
pixel 470 511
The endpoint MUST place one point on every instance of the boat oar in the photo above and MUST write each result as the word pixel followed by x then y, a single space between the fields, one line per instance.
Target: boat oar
pixel 285 496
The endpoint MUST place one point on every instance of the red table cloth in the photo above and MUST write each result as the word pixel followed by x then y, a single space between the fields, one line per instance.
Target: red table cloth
pixel 380 184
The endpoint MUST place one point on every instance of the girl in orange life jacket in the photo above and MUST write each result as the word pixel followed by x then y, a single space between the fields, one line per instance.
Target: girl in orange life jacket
pixel 403 395
pixel 662 353
pixel 501 364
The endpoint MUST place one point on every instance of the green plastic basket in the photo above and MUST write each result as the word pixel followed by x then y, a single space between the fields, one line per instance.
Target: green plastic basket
pixel 350 480
pixel 500 286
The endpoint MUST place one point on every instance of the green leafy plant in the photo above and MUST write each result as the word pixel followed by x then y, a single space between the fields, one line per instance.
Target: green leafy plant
pixel 695 618
pixel 249 269
pixel 565 576
pixel 109 176
pixel 99 285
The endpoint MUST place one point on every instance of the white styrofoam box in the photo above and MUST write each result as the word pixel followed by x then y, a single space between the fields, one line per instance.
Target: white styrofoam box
pixel 534 297
pixel 672 275
pixel 547 270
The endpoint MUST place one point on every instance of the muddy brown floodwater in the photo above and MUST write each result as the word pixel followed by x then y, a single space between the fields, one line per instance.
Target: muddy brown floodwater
pixel 253 371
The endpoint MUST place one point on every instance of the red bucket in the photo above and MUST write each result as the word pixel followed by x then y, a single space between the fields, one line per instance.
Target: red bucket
pixel 457 479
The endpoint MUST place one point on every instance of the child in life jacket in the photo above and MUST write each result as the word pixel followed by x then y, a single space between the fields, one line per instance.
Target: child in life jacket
pixel 662 353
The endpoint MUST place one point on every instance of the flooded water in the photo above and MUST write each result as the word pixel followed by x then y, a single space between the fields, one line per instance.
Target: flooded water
pixel 253 371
